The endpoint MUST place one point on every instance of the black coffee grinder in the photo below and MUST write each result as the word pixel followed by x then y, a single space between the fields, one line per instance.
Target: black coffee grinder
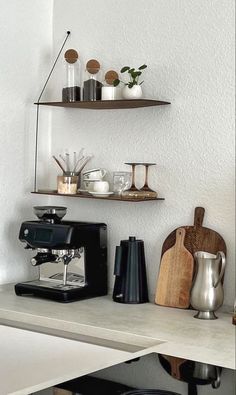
pixel 60 245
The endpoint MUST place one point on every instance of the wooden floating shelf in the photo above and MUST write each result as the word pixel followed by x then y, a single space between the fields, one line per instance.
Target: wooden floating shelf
pixel 107 104
pixel 88 196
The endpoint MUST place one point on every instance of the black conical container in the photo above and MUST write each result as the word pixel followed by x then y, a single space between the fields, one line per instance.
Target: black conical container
pixel 130 271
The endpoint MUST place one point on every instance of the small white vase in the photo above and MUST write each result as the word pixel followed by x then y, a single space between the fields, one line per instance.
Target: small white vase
pixel 132 93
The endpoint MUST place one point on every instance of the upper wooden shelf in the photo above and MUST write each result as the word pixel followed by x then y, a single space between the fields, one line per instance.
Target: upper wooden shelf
pixel 107 104
pixel 88 196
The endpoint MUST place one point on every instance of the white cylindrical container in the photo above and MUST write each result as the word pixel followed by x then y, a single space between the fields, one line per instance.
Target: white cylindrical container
pixel 110 92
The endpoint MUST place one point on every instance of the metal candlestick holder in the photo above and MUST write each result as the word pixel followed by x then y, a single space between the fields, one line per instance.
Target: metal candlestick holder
pixel 145 191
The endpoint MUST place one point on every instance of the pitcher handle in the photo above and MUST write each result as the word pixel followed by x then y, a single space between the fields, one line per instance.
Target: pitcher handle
pixel 223 262
pixel 216 383
pixel 103 172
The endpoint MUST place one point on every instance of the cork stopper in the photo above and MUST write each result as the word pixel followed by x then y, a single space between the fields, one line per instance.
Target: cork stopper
pixel 93 66
pixel 110 76
pixel 71 56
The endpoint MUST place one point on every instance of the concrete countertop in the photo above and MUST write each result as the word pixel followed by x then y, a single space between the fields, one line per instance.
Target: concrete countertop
pixel 139 329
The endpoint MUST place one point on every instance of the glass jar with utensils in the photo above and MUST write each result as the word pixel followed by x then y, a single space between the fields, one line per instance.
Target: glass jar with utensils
pixel 71 166
pixel 67 183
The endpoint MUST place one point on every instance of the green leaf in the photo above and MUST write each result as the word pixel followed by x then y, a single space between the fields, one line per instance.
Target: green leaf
pixel 144 66
pixel 134 74
pixel 131 71
pixel 124 69
pixel 116 82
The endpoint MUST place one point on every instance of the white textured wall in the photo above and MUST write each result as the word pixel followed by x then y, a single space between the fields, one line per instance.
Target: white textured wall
pixel 188 46
pixel 25 47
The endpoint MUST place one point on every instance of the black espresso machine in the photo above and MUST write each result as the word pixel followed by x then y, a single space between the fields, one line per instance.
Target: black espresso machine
pixel 72 256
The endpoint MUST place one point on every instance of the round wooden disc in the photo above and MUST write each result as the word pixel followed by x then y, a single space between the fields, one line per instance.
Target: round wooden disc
pixel 71 56
pixel 110 76
pixel 93 66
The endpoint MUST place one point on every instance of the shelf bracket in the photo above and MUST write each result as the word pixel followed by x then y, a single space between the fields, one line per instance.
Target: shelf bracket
pixel 37 110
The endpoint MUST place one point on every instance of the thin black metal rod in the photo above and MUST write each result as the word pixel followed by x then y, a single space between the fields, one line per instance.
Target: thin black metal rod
pixel 37 112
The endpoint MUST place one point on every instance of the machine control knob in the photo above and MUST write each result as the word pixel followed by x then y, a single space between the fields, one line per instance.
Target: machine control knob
pixel 26 232
pixel 34 262
pixel 41 258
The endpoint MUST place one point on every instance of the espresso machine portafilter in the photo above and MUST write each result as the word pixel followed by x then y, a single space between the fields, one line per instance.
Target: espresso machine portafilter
pixel 71 256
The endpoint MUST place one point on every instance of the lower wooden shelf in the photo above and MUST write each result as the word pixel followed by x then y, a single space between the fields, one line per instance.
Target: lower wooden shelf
pixel 88 196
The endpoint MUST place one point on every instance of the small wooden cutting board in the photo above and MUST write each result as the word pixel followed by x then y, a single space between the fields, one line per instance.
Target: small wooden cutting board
pixel 175 275
pixel 175 364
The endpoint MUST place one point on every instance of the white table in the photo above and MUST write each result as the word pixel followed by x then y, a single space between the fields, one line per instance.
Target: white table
pixel 31 361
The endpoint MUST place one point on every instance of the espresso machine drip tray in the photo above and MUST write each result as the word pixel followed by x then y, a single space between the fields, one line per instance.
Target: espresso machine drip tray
pixel 54 291
pixel 74 281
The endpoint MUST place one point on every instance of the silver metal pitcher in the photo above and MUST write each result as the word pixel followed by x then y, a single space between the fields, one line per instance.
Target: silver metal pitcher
pixel 207 293
pixel 208 373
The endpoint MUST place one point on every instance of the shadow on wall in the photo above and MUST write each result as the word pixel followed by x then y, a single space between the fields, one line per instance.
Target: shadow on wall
pixel 20 258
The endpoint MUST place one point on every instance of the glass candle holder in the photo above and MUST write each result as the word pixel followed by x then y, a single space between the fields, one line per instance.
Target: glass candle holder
pixel 121 181
pixel 67 184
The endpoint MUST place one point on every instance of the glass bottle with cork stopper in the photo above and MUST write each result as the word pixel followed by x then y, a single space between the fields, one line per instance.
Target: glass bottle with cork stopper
pixel 92 85
pixel 71 90
pixel 110 92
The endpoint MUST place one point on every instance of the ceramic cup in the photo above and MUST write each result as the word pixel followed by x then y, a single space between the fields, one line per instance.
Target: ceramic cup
pixel 94 174
pixel 88 185
pixel 101 186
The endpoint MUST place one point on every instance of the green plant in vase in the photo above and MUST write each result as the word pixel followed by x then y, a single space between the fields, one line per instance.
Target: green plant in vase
pixel 132 89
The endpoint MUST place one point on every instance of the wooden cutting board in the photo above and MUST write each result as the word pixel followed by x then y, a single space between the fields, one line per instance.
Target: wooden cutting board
pixel 175 275
pixel 175 364
pixel 197 238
